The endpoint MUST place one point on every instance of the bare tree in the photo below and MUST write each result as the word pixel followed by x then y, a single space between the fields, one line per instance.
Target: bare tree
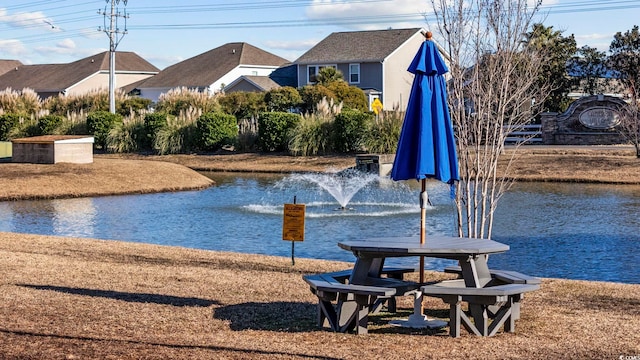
pixel 625 59
pixel 492 88
pixel 630 123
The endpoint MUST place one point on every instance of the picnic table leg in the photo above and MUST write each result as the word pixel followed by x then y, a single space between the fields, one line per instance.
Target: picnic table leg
pixel 363 314
pixel 361 270
pixel 480 318
pixel 347 312
pixel 475 271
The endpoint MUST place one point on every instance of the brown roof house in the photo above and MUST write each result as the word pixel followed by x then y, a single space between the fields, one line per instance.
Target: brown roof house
pixel 211 71
pixel 375 61
pixel 6 65
pixel 78 77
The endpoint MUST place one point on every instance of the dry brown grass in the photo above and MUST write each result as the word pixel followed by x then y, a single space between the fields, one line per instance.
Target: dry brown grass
pixel 102 177
pixel 64 298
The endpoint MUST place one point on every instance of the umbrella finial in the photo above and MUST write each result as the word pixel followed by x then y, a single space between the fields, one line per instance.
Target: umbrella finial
pixel 427 35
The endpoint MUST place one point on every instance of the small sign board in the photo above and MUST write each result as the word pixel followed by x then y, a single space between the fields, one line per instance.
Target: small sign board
pixel 293 224
pixel 376 106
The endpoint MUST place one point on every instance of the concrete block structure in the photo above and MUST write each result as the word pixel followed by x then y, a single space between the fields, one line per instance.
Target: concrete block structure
pixel 52 149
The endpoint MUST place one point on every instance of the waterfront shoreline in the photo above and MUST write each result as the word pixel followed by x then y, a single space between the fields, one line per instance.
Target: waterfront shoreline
pixel 70 298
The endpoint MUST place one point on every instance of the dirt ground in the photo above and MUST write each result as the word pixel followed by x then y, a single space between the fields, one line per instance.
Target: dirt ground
pixel 64 298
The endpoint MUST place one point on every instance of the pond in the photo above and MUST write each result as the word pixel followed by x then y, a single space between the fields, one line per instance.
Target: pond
pixel 574 231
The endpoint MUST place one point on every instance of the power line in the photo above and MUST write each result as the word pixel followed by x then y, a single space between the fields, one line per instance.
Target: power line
pixel 580 6
pixel 115 36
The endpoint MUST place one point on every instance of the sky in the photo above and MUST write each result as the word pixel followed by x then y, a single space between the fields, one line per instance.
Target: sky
pixel 166 32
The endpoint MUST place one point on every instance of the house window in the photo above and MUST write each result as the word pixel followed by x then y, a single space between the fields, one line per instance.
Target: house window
pixel 354 73
pixel 312 72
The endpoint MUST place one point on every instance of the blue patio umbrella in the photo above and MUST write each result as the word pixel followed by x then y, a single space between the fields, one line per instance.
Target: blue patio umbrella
pixel 426 148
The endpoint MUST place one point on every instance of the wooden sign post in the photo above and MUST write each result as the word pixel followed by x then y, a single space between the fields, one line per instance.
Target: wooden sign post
pixel 293 225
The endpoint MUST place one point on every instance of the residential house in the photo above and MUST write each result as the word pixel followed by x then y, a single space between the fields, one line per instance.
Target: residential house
pixel 78 77
pixel 375 61
pixel 282 76
pixel 6 65
pixel 211 71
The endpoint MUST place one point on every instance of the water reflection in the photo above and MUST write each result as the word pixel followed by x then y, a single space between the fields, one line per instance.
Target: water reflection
pixel 576 231
pixel 74 217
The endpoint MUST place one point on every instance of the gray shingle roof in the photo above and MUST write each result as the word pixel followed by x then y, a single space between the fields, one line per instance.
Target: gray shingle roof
pixel 263 82
pixel 6 65
pixel 205 69
pixel 57 77
pixel 357 46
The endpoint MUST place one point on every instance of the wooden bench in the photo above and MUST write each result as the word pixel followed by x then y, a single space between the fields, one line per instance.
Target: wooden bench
pixel 501 276
pixel 501 303
pixel 353 302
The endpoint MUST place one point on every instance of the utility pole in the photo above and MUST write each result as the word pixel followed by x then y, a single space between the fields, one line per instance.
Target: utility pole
pixel 115 35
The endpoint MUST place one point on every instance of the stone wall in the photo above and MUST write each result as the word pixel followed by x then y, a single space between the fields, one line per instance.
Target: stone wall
pixel 591 120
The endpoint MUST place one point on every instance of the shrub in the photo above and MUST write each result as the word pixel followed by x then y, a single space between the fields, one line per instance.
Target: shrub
pixel 351 96
pixel 180 135
pixel 25 102
pixel 153 123
pixel 8 122
pixel 385 132
pixel 282 99
pixel 312 136
pixel 182 99
pixel 126 137
pixel 243 104
pixel 132 104
pixel 100 123
pixel 51 124
pixel 273 129
pixel 216 130
pixel 313 94
pixel 350 129
pixel 97 100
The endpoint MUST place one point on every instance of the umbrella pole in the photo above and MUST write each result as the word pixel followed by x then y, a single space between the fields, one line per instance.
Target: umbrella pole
pixel 418 319
pixel 424 199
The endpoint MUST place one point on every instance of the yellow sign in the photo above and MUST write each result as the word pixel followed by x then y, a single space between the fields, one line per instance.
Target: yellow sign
pixel 376 106
pixel 293 224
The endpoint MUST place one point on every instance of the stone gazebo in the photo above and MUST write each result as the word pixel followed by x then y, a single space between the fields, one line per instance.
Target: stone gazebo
pixel 591 120
pixel 52 149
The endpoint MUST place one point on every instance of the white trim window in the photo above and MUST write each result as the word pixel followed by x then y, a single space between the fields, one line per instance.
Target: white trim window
pixel 312 72
pixel 354 73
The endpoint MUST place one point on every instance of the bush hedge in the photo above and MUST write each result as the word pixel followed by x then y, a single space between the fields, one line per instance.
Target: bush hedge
pixel 216 129
pixel 273 130
pixel 50 124
pixel 350 129
pixel 8 122
pixel 100 123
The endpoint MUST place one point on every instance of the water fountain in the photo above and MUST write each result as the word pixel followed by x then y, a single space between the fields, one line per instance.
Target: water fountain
pixel 342 186
pixel 377 196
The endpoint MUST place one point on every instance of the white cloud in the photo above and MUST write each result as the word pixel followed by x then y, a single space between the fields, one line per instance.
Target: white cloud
pixel 65 49
pixel 35 19
pixel 291 45
pixel 370 15
pixel 12 47
pixel 599 41
pixel 66 44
